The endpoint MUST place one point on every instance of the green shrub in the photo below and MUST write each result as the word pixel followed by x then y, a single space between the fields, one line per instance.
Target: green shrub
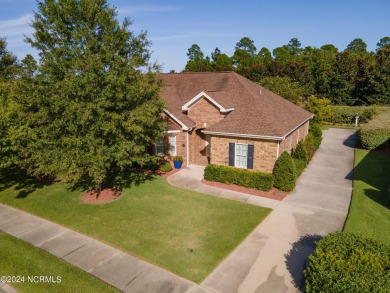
pixel 310 146
pixel 316 131
pixel 376 133
pixel 177 159
pixel 285 173
pixel 346 114
pixel 319 107
pixel 299 166
pixel 344 262
pixel 166 167
pixel 300 152
pixel 241 177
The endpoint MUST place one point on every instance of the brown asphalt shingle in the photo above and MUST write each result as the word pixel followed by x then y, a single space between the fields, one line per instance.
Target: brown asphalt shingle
pixel 257 111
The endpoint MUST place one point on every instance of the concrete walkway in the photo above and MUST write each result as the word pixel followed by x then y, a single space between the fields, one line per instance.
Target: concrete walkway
pixel 190 178
pixel 119 269
pixel 272 258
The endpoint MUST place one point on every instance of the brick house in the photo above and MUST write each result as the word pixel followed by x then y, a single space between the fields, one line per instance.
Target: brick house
pixel 223 118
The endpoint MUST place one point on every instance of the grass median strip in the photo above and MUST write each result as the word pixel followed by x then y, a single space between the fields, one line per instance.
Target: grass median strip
pixel 182 231
pixel 30 269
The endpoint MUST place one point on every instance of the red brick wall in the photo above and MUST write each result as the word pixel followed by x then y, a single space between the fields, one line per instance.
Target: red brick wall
pixel 204 112
pixel 292 140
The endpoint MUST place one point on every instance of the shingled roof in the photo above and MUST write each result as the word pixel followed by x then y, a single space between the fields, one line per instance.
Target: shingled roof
pixel 257 111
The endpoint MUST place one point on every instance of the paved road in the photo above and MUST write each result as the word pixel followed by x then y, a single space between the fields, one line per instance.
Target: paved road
pixel 270 259
pixel 273 257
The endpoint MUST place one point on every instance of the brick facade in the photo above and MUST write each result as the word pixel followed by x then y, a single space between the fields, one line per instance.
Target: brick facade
pixel 206 149
pixel 204 111
pixel 264 151
pixel 292 140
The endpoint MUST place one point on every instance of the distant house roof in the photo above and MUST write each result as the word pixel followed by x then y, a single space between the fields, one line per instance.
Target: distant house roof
pixel 252 109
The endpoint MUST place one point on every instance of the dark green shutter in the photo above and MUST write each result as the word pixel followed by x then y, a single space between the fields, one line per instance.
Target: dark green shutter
pixel 249 163
pixel 232 147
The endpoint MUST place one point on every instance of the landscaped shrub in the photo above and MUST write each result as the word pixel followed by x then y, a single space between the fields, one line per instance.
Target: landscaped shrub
pixel 299 166
pixel 300 152
pixel 300 157
pixel 310 146
pixel 376 133
pixel 285 173
pixel 166 167
pixel 344 262
pixel 241 177
pixel 316 131
pixel 346 114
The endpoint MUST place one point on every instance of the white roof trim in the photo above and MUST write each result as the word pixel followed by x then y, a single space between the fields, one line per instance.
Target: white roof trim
pixel 277 138
pixel 173 131
pixel 187 105
pixel 183 126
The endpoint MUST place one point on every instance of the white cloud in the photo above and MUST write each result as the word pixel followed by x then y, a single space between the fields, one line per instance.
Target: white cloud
pixel 145 9
pixel 16 27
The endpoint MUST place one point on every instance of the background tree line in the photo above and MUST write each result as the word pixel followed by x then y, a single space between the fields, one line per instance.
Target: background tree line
pixel 353 76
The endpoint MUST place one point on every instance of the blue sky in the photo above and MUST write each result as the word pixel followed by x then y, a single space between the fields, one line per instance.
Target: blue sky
pixel 173 26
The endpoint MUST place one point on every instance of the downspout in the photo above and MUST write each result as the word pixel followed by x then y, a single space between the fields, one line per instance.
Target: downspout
pixel 277 150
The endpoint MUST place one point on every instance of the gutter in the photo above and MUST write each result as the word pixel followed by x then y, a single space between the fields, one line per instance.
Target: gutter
pixel 278 138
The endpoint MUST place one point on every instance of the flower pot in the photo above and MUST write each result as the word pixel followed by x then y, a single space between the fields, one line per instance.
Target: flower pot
pixel 177 165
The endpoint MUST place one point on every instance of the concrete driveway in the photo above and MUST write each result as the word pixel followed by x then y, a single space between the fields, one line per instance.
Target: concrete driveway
pixel 272 258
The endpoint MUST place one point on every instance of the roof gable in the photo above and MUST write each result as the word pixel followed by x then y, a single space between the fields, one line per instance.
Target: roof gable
pixel 201 95
pixel 257 111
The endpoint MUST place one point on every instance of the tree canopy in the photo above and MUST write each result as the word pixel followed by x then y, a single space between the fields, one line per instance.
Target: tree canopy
pixel 350 77
pixel 85 110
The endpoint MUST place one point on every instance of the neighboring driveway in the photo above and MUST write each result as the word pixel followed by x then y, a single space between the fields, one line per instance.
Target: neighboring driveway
pixel 272 258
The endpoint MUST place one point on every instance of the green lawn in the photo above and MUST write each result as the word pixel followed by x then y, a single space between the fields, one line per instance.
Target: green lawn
pixel 369 213
pixel 22 260
pixel 183 231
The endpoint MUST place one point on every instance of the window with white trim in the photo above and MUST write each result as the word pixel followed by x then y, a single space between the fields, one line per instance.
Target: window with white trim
pixel 172 145
pixel 241 155
pixel 160 146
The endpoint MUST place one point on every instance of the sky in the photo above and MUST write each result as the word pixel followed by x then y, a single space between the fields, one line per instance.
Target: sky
pixel 173 26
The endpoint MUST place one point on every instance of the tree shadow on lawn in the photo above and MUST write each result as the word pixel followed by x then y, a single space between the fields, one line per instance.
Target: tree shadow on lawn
pixel 115 179
pixel 380 197
pixel 297 259
pixel 374 170
pixel 27 184
pixel 22 182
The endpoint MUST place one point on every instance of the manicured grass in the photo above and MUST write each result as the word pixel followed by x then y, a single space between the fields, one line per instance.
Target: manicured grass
pixel 22 260
pixel 183 231
pixel 369 213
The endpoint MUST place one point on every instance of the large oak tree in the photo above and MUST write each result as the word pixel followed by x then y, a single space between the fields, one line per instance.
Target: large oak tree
pixel 88 109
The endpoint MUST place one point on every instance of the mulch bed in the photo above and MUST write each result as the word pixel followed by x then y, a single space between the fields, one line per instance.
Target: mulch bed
pixel 272 194
pixel 103 196
pixel 110 194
